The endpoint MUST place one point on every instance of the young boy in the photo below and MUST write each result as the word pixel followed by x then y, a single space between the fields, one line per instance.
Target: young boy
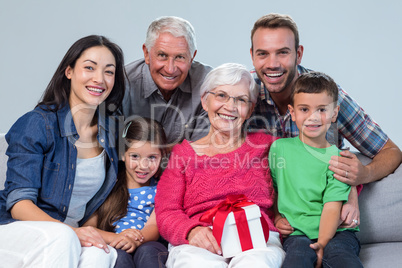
pixel 309 197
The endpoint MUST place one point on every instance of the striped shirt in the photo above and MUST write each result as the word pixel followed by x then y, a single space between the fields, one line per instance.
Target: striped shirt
pixel 353 123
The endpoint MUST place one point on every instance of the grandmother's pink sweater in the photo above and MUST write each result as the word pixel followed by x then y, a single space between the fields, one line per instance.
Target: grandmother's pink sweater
pixel 193 184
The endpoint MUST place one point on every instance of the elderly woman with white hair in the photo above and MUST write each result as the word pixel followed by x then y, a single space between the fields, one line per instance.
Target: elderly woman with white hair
pixel 201 174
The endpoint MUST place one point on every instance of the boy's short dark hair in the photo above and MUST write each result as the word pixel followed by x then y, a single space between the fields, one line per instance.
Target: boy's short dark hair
pixel 314 82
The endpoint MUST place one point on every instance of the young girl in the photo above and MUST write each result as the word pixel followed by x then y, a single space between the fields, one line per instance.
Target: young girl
pixel 127 215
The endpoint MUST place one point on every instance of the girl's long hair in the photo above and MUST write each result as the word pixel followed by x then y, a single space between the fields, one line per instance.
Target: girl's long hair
pixel 115 206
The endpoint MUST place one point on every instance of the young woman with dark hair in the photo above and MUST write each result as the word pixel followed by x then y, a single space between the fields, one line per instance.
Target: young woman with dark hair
pixel 63 163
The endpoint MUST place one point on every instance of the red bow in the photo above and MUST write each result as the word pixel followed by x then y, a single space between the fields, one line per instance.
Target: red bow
pixel 233 203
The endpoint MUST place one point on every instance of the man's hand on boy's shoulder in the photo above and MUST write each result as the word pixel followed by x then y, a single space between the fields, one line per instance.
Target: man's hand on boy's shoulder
pixel 348 168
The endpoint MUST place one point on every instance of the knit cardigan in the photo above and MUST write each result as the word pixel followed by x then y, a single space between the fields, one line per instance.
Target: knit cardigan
pixel 193 184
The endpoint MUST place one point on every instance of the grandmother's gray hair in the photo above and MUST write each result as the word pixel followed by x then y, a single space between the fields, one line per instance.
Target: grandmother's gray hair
pixel 176 26
pixel 229 74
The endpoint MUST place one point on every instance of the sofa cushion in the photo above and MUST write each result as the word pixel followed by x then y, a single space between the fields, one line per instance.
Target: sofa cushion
pixel 381 254
pixel 381 209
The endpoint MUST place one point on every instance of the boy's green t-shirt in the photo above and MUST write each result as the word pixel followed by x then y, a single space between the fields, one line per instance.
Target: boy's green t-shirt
pixel 304 183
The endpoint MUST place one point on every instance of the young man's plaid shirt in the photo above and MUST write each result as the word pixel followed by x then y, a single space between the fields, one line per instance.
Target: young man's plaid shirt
pixel 352 123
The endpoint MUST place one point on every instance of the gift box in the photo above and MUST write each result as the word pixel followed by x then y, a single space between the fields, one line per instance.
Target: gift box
pixel 230 242
pixel 237 225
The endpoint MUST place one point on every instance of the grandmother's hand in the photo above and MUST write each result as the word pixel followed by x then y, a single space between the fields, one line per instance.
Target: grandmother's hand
pixel 202 237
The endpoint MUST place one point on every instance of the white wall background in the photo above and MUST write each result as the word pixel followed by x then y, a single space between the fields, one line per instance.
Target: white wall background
pixel 358 43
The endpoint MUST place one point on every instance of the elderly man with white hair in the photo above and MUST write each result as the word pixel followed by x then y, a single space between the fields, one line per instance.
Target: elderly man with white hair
pixel 165 84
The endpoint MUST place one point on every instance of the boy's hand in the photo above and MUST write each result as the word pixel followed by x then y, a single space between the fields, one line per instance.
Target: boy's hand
pixel 284 226
pixel 319 250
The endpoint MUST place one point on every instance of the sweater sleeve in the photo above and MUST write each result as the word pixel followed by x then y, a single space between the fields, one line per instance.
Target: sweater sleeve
pixel 173 222
pixel 272 158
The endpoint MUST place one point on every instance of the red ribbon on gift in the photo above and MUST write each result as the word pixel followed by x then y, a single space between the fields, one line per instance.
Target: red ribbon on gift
pixel 233 203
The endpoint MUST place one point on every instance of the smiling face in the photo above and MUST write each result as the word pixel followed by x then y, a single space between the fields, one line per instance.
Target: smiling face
pixel 169 61
pixel 142 161
pixel 92 78
pixel 228 116
pixel 275 58
pixel 313 114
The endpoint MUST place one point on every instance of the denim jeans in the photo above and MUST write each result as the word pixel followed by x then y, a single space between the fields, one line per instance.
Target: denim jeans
pixel 149 255
pixel 341 251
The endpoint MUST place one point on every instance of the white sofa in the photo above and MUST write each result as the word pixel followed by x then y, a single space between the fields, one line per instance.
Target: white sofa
pixel 381 216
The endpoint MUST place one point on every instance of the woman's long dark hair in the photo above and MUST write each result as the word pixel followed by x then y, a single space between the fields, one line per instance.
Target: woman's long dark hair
pixel 57 92
pixel 115 206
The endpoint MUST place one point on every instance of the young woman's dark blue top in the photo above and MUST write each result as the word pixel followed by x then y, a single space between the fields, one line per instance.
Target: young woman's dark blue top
pixel 42 161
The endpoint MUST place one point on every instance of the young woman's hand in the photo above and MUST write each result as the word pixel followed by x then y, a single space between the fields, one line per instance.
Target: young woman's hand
pixel 128 240
pixel 89 237
pixel 202 237
pixel 283 225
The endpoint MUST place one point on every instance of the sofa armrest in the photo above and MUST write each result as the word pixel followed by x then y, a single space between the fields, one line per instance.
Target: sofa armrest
pixel 3 160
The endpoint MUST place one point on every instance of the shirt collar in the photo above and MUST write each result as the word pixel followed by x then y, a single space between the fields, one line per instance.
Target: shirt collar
pixel 264 94
pixel 66 122
pixel 150 87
